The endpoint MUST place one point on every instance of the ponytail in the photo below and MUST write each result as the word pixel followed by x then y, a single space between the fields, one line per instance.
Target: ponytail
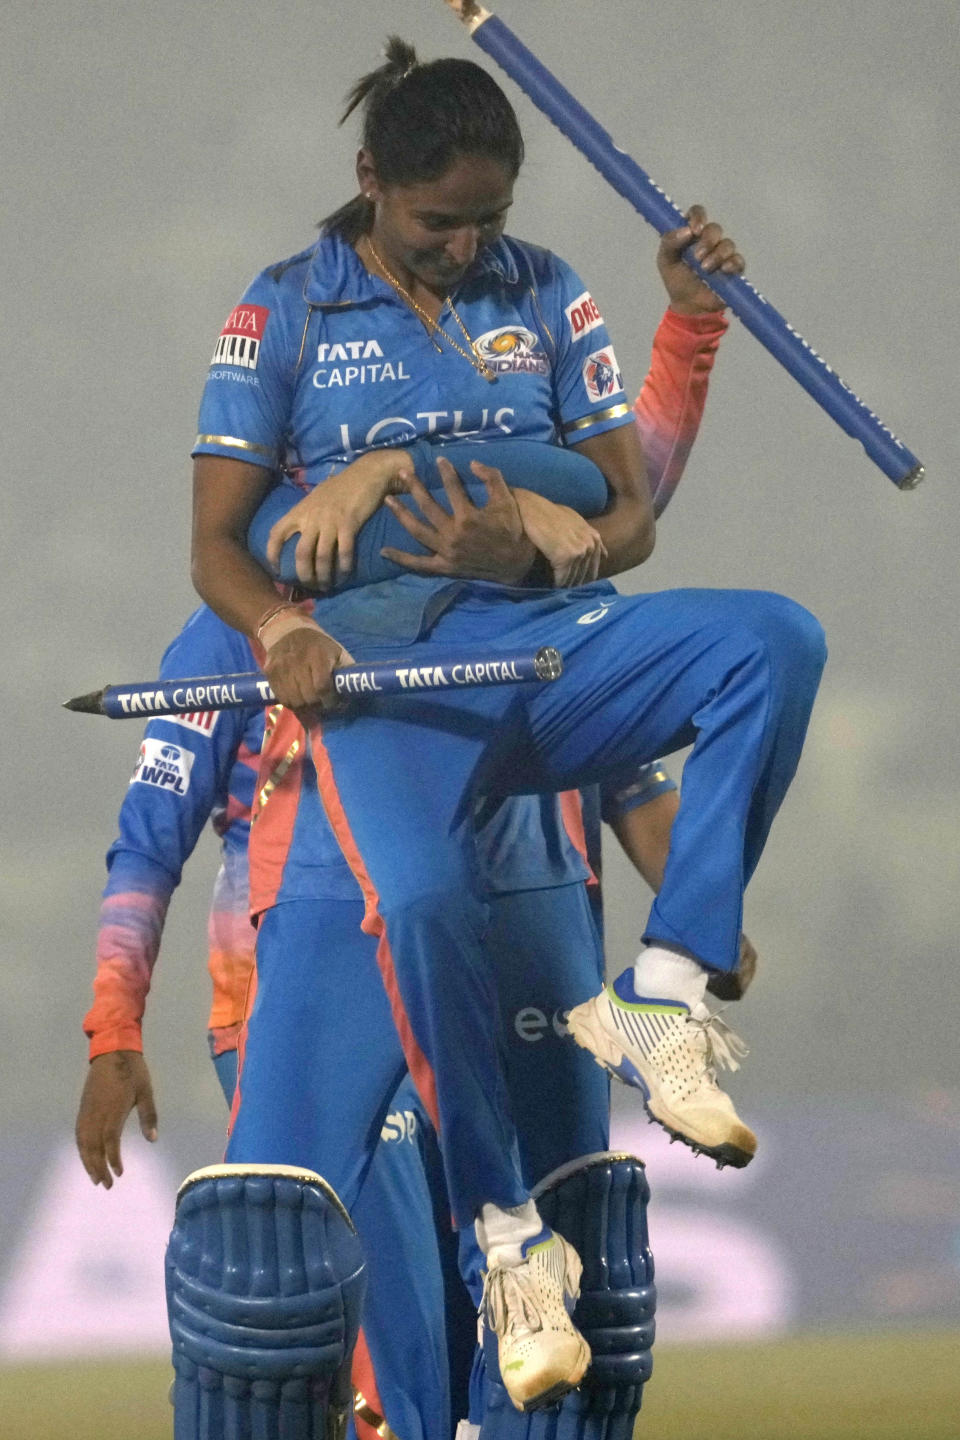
pixel 399 60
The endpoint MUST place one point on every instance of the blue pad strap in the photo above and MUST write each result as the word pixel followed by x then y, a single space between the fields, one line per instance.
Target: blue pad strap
pixel 599 1204
pixel 561 475
pixel 265 1284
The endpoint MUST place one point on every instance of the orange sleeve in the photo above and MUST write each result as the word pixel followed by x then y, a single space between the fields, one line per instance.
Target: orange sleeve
pixel 670 405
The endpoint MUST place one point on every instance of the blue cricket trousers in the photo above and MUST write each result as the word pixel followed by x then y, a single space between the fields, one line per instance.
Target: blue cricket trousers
pixel 732 672
pixel 321 1063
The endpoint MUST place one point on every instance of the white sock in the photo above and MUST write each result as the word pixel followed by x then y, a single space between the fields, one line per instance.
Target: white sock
pixel 662 974
pixel 500 1233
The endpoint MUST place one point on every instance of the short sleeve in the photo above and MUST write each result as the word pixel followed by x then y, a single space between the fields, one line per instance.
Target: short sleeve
pixel 244 412
pixel 589 385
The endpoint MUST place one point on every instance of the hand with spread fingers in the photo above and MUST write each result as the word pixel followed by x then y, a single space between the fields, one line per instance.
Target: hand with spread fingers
pixel 116 1083
pixel 711 248
pixel 472 541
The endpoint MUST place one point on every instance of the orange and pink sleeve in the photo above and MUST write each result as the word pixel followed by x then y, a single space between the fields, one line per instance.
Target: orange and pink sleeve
pixel 670 405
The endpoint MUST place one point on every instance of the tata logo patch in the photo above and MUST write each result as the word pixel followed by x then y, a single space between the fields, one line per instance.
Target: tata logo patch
pixel 165 766
pixel 203 721
pixel 583 315
pixel 354 362
pixel 512 349
pixel 331 351
pixel 239 342
pixel 601 374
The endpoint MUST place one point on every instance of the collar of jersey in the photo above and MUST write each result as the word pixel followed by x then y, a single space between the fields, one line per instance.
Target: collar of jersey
pixel 337 276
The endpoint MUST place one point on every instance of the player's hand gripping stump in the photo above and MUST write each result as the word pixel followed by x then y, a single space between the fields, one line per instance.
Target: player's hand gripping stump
pixel 646 197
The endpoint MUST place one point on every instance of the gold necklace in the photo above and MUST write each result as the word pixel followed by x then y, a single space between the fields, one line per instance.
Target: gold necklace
pixel 433 326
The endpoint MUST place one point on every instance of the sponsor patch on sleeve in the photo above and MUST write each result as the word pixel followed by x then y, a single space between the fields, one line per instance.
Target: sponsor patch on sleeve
pixel 583 315
pixel 601 375
pixel 239 342
pixel 164 765
pixel 202 721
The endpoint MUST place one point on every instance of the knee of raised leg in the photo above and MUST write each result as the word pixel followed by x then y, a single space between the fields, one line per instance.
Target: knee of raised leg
pixel 793 633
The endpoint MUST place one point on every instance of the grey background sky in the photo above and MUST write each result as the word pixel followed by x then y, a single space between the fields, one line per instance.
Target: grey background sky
pixel 156 156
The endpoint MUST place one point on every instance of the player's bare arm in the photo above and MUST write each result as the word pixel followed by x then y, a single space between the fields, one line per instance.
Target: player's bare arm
pixel 567 541
pixel 226 494
pixel 299 657
pixel 573 547
pixel 627 527
pixel 644 835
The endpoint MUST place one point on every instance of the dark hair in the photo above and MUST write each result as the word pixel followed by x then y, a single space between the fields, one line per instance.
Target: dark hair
pixel 417 119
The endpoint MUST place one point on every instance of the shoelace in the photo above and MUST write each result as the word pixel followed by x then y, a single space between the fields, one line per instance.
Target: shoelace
pixel 724 1046
pixel 506 1293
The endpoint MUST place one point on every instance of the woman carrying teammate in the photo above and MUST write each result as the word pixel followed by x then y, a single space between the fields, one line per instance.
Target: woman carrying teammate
pixel 541 942
pixel 414 318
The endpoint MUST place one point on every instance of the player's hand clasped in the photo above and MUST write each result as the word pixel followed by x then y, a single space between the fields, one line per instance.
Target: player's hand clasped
pixel 712 249
pixel 499 540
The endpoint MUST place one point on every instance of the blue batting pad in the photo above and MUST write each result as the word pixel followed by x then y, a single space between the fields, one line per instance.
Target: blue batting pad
pixel 265 1283
pixel 562 475
pixel 599 1204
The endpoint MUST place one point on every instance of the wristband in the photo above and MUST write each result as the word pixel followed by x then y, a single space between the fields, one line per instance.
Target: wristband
pixel 274 610
pixel 281 621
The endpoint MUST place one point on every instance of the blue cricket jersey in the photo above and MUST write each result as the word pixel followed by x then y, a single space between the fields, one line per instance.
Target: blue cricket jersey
pixel 322 361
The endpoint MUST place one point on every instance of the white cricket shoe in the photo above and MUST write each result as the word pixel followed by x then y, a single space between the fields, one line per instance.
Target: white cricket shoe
pixel 670 1053
pixel 541 1354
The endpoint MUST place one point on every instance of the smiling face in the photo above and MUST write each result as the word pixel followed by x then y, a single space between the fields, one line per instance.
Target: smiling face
pixel 429 233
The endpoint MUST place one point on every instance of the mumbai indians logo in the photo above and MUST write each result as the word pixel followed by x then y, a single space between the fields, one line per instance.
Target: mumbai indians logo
pixel 511 349
pixel 601 374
